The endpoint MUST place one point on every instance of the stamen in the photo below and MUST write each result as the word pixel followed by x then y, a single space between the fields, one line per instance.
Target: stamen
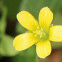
pixel 41 36
pixel 42 29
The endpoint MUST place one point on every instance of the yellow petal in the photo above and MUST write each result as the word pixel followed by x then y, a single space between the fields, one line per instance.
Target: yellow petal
pixel 55 33
pixel 45 17
pixel 43 48
pixel 27 20
pixel 24 41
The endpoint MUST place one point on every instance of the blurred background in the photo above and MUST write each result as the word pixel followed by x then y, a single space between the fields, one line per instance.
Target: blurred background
pixel 9 28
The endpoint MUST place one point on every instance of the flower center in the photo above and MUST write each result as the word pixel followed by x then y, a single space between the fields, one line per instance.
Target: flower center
pixel 41 33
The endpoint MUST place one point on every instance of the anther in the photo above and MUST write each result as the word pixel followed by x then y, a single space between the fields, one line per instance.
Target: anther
pixel 41 29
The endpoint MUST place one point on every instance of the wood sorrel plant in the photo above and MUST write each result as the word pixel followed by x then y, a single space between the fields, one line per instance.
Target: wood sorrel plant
pixel 40 33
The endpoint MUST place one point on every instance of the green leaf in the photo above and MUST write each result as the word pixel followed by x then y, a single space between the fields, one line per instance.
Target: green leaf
pixel 35 6
pixel 56 45
pixel 3 20
pixel 13 6
pixel 28 55
pixel 20 29
pixel 6 46
pixel 57 19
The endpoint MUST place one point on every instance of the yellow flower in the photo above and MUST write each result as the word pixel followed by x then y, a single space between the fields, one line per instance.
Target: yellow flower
pixel 40 33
